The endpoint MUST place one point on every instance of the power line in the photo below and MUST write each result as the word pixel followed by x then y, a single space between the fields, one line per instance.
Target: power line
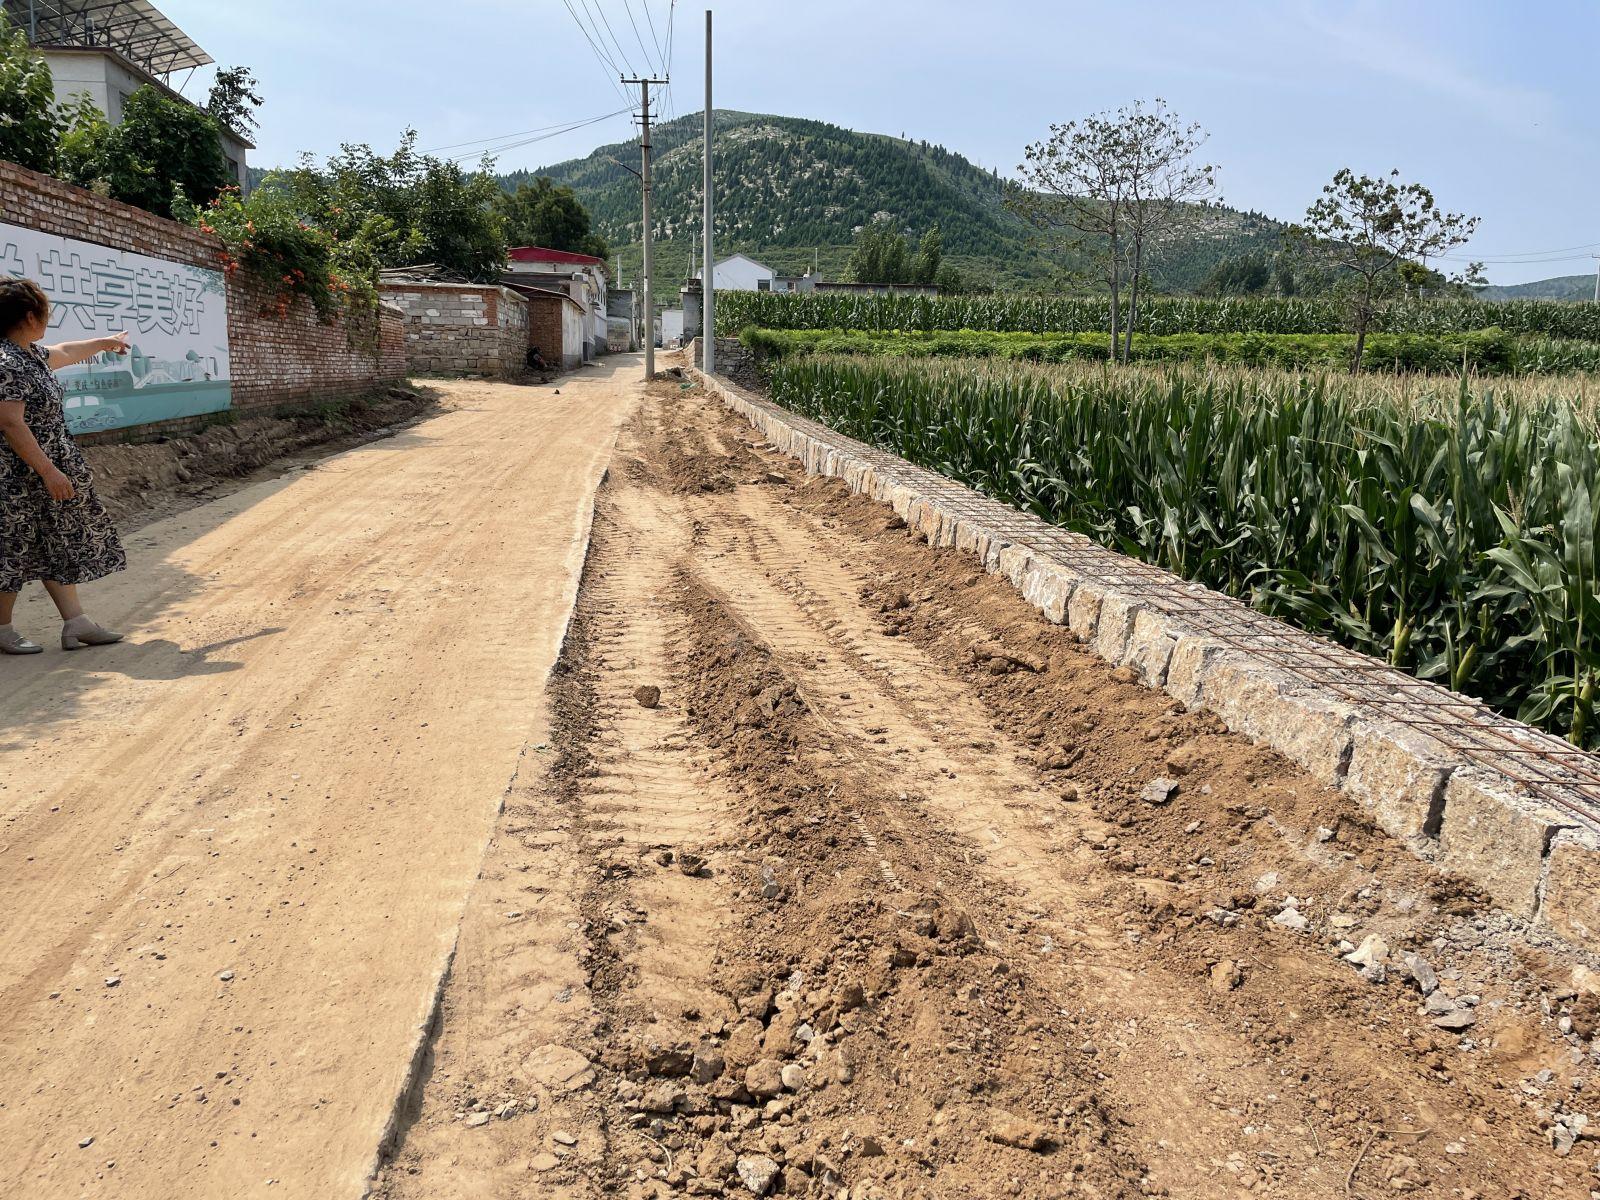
pixel 561 127
pixel 517 145
pixel 666 64
pixel 604 59
pixel 621 53
pixel 627 7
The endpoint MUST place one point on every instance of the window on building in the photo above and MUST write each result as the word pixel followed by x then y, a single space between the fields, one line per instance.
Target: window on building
pixel 763 285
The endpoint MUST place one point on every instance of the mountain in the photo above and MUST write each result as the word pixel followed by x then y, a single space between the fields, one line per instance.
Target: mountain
pixel 1562 287
pixel 791 191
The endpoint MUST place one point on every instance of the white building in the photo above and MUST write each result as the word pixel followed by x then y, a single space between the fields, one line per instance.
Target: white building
pixel 581 276
pixel 109 51
pixel 741 273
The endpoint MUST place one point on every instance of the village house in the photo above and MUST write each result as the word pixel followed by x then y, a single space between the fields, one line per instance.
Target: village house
pixel 581 277
pixel 109 51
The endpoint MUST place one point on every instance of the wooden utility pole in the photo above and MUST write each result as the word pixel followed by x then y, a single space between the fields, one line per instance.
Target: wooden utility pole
pixel 708 309
pixel 645 273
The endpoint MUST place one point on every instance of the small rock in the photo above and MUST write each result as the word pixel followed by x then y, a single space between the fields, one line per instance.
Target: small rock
pixel 869 1147
pixel 765 1078
pixel 1324 834
pixel 474 1120
pixel 1291 918
pixel 112 980
pixel 1422 974
pixel 1437 1004
pixel 1372 953
pixel 226 976
pixel 771 889
pixel 1024 1135
pixel 707 1065
pixel 648 696
pixel 1159 791
pixel 794 1077
pixel 1225 976
pixel 758 1173
pixel 1461 1018
pixel 562 1137
pixel 691 863
pixel 85 1143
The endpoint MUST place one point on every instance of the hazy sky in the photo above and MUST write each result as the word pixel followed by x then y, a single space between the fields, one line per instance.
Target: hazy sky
pixel 1484 102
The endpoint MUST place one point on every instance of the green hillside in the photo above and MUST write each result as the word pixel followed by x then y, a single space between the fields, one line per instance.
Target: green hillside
pixel 789 189
pixel 1562 287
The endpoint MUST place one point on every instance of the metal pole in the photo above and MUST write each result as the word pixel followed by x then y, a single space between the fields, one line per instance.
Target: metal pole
pixel 649 307
pixel 1596 258
pixel 708 310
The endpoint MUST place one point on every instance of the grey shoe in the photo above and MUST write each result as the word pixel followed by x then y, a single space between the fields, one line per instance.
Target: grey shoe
pixel 12 642
pixel 80 632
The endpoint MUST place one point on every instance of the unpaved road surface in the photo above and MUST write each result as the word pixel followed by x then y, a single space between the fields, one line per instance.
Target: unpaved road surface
pixel 234 850
pixel 844 876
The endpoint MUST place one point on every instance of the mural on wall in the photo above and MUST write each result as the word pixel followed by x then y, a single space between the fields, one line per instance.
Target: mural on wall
pixel 176 317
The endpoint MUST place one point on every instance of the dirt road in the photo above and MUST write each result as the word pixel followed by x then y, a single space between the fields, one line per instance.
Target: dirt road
pixel 234 850
pixel 825 867
pixel 851 877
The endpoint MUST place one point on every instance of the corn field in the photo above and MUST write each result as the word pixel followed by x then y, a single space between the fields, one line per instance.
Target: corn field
pixel 1158 315
pixel 1447 528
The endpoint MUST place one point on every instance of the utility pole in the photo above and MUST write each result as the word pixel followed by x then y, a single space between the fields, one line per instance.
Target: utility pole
pixel 1596 258
pixel 708 307
pixel 644 176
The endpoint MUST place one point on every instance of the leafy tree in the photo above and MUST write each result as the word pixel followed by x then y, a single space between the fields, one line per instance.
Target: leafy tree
pixel 400 209
pixel 542 214
pixel 880 254
pixel 1373 236
pixel 81 157
pixel 234 100
pixel 1239 275
pixel 28 123
pixel 949 280
pixel 162 148
pixel 930 254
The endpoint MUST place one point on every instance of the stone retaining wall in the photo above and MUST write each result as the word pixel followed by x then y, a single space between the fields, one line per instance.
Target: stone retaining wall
pixel 1484 797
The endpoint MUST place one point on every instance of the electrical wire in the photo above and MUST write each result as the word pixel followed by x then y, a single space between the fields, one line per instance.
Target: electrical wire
pixel 666 62
pixel 621 53
pixel 604 59
pixel 627 6
pixel 492 151
pixel 560 127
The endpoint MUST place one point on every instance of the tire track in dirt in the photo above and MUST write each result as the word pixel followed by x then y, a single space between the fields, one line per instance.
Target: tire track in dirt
pixel 939 946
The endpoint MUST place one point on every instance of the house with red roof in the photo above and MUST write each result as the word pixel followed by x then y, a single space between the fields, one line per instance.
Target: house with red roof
pixel 581 277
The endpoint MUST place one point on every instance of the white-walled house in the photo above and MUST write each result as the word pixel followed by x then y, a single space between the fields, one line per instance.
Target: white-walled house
pixel 109 51
pixel 741 273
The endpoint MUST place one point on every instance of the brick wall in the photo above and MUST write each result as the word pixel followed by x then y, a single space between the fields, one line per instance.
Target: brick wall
pixel 276 362
pixel 555 325
pixel 461 328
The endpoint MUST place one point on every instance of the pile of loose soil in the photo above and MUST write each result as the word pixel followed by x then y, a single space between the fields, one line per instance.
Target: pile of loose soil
pixel 140 480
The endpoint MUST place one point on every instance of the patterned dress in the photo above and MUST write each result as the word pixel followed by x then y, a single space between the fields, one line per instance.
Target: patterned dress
pixel 66 541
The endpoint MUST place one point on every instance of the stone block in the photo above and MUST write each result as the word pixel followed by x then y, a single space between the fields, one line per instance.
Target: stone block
pixel 1399 774
pixel 1013 563
pixel 1115 626
pixel 901 498
pixel 1496 836
pixel 1048 587
pixel 1150 645
pixel 1572 887
pixel 1083 610
pixel 1192 657
pixel 1270 706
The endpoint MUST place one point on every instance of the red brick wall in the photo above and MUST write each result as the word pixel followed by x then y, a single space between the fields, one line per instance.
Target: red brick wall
pixel 276 362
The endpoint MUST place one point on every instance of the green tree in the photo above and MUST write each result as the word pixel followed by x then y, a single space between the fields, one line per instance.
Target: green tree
pixel 81 157
pixel 930 254
pixel 1239 275
pixel 28 122
pixel 400 209
pixel 1371 236
pixel 880 254
pixel 542 214
pixel 163 147
pixel 234 100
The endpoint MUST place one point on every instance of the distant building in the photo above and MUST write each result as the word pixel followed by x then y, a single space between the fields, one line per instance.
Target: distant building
pixel 580 276
pixel 108 51
pixel 741 273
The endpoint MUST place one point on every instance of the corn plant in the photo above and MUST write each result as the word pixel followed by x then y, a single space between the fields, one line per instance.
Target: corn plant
pixel 1159 315
pixel 1446 526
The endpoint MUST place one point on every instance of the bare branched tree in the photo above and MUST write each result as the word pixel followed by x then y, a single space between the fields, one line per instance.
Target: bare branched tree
pixel 1376 236
pixel 1118 184
pixel 1073 189
pixel 1164 188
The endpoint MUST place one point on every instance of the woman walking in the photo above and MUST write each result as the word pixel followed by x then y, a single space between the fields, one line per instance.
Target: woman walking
pixel 53 527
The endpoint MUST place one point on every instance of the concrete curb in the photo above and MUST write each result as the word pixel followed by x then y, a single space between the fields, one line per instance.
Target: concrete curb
pixel 1533 847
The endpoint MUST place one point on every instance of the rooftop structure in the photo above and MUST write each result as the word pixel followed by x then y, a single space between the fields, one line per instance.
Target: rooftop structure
pixel 134 29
